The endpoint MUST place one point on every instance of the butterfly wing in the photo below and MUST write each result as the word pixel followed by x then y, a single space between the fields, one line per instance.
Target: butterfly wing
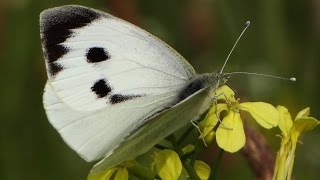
pixel 105 77
pixel 94 134
pixel 157 128
pixel 95 60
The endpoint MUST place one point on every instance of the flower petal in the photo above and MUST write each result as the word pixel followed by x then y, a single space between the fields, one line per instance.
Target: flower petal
pixel 203 170
pixel 304 112
pixel 103 175
pixel 265 114
pixel 168 164
pixel 231 140
pixel 209 137
pixel 188 149
pixel 285 121
pixel 286 154
pixel 122 174
pixel 211 119
pixel 302 125
pixel 225 92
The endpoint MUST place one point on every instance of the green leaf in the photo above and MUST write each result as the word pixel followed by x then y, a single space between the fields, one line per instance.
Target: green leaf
pixel 203 170
pixel 167 164
pixel 265 114
pixel 285 121
pixel 233 139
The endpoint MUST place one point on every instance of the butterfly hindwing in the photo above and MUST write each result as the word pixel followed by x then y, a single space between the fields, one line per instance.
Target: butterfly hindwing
pixel 157 128
pixel 95 60
pixel 95 134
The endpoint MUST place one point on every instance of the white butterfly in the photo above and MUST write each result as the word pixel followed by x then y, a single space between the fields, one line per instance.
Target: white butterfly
pixel 113 89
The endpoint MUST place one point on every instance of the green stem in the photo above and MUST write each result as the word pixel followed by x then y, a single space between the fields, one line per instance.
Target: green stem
pixel 187 155
pixel 158 146
pixel 186 163
pixel 197 149
pixel 214 172
pixel 140 171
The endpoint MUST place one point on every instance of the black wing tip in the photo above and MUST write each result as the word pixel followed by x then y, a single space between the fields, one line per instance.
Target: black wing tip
pixel 67 13
pixel 56 25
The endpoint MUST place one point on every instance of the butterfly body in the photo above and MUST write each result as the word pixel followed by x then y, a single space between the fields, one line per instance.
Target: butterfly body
pixel 113 89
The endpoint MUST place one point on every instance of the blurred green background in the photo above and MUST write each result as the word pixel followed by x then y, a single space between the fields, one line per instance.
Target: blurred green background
pixel 284 40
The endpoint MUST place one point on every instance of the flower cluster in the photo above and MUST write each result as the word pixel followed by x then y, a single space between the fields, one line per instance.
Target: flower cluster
pixel 167 165
pixel 291 130
pixel 229 132
pixel 222 122
pixel 119 172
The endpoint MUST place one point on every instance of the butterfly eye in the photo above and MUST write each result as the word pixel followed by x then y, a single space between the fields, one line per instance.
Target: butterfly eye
pixel 97 54
pixel 101 88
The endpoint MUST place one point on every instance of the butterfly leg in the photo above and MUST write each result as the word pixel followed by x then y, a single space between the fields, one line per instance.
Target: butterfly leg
pixel 199 130
pixel 216 110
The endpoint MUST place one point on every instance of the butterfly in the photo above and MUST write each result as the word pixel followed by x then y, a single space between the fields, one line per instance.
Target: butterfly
pixel 113 89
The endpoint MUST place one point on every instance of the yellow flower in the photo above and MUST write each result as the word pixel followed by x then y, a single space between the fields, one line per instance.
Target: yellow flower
pixel 230 133
pixel 291 131
pixel 202 169
pixel 120 172
pixel 167 164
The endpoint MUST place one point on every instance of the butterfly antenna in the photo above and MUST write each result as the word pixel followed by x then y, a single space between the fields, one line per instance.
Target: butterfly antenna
pixel 260 74
pixel 235 44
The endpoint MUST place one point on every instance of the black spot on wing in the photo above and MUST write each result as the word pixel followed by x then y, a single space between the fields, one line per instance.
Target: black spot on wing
pixel 101 88
pixel 118 98
pixel 55 68
pixel 97 54
pixel 56 26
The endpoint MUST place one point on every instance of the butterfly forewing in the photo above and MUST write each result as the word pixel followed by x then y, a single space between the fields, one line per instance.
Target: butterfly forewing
pixel 94 58
pixel 106 77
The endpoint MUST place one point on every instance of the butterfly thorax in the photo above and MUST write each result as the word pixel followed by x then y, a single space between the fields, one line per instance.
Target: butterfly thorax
pixel 200 81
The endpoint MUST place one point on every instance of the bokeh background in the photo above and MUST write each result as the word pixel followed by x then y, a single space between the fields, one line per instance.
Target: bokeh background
pixel 284 40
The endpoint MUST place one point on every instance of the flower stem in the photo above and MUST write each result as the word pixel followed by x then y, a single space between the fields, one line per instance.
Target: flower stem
pixel 140 171
pixel 217 163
